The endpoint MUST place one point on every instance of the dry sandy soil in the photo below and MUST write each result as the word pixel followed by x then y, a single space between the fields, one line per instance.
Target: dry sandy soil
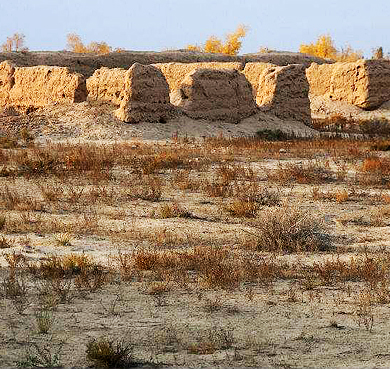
pixel 293 317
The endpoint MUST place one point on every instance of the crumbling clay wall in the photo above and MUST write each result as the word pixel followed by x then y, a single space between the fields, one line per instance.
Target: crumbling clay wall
pixel 176 72
pixel 364 83
pixel 107 85
pixel 216 95
pixel 145 97
pixel 29 88
pixel 319 78
pixel 253 71
pixel 7 71
pixel 284 92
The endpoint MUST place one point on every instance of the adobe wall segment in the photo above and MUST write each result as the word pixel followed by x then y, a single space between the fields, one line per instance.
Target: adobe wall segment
pixel 284 92
pixel 212 94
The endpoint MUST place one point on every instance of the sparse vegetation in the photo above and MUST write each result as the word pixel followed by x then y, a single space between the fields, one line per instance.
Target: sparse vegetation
pixel 324 48
pixel 16 42
pixel 231 46
pixel 75 45
pixel 212 225
pixel 107 353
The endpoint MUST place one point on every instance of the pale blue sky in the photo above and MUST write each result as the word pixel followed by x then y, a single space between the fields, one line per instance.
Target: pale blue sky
pixel 163 24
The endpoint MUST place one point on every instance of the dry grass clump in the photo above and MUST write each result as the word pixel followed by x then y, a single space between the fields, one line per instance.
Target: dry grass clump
pixel 211 340
pixel 106 353
pixel 374 171
pixel 290 229
pixel 149 188
pixel 173 211
pixel 182 179
pixel 61 160
pixel 339 196
pixel 372 269
pixel 211 267
pixel 304 173
pixel 248 198
pixel 242 207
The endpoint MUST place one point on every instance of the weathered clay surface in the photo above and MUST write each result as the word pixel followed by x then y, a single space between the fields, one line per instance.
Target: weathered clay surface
pixel 252 72
pixel 216 95
pixel 176 72
pixel 284 92
pixel 7 70
pixel 365 83
pixel 29 88
pixel 146 96
pixel 319 78
pixel 107 85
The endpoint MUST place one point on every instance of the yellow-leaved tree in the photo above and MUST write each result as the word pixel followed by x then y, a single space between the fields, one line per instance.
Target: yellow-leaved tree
pixel 231 46
pixel 324 48
pixel 75 44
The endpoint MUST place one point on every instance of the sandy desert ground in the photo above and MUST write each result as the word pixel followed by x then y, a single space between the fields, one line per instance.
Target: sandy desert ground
pixel 190 247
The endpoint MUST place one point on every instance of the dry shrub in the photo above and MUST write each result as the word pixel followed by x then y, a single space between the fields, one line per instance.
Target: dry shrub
pixel 145 165
pixel 217 268
pixel 158 288
pixel 10 198
pixel 211 340
pixel 105 353
pixel 51 192
pixel 5 243
pixel 290 229
pixel 310 172
pixel 374 171
pixel 145 259
pixel 339 196
pixel 217 189
pixel 173 211
pixel 150 189
pixel 183 180
pixel 61 266
pixel 62 160
pixel 372 269
pixel 242 207
pixel 212 267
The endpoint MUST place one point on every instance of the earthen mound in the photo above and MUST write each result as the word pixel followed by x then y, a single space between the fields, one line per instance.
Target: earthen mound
pixel 284 92
pixel 216 95
pixel 145 97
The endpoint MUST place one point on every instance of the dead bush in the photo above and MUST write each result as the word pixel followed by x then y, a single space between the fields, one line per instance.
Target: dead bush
pixel 106 353
pixel 290 229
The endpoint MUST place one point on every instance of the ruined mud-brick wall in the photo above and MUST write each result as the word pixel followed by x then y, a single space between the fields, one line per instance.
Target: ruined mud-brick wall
pixel 284 92
pixel 145 97
pixel 107 85
pixel 7 71
pixel 253 71
pixel 365 83
pixel 86 64
pixel 216 95
pixel 175 73
pixel 29 88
